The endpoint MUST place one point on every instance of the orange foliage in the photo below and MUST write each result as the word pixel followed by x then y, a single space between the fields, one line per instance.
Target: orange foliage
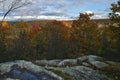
pixel 4 24
pixel 6 28
pixel 66 24
pixel 63 29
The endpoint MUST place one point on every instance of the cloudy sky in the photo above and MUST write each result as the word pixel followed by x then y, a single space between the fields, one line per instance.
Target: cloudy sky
pixel 60 9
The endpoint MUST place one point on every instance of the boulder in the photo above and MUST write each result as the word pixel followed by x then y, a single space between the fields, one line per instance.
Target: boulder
pixel 53 62
pixel 82 59
pixel 94 58
pixel 86 64
pixel 68 62
pixel 41 62
pixel 98 64
pixel 47 62
pixel 88 59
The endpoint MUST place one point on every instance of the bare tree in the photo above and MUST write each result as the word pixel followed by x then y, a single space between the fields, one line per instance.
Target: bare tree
pixel 13 5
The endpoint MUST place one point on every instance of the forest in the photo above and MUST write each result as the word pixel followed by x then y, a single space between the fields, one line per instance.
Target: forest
pixel 60 39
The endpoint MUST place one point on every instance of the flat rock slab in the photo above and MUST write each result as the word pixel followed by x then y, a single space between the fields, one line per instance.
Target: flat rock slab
pixel 42 69
pixel 48 62
pixel 25 70
pixel 98 64
pixel 82 73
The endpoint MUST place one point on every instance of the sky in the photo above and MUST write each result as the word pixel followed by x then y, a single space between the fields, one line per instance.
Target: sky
pixel 59 9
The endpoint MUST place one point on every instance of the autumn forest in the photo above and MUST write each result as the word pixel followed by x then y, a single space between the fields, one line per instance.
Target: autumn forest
pixel 31 40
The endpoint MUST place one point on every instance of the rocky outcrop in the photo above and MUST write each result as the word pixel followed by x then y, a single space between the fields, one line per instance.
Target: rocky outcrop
pixel 81 73
pixel 78 69
pixel 25 70
pixel 85 60
pixel 92 60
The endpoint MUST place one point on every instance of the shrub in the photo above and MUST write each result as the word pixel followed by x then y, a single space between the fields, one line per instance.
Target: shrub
pixel 112 71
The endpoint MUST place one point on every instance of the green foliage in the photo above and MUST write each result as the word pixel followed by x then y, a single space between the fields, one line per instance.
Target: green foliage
pixel 114 16
pixel 57 41
pixel 85 35
pixel 2 42
pixel 41 44
pixel 2 46
pixel 115 30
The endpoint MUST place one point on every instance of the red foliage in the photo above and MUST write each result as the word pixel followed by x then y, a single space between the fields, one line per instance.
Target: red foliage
pixel 35 28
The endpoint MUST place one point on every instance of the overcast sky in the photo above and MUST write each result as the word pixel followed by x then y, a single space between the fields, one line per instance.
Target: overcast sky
pixel 61 9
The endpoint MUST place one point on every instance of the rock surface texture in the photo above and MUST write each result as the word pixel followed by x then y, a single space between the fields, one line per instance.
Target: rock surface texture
pixel 77 69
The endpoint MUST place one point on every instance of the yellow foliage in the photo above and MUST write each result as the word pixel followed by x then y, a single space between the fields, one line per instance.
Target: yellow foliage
pixel 4 24
pixel 23 26
pixel 68 25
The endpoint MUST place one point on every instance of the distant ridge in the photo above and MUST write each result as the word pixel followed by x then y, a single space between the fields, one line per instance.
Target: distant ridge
pixel 44 22
pixel 104 21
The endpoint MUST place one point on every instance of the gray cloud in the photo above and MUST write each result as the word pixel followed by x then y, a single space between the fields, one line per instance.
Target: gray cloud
pixel 54 13
pixel 60 8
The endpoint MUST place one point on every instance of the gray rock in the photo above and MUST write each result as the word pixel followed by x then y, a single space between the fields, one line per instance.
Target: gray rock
pixel 67 62
pixel 81 73
pixel 48 62
pixel 10 79
pixel 82 59
pixel 41 62
pixel 54 62
pixel 94 58
pixel 30 73
pixel 17 72
pixel 88 59
pixel 98 64
pixel 25 70
pixel 86 64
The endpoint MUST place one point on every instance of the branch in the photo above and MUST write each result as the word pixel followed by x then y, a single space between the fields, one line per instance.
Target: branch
pixel 15 4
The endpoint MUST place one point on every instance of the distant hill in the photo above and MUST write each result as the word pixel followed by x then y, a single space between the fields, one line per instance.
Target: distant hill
pixel 102 21
pixel 43 23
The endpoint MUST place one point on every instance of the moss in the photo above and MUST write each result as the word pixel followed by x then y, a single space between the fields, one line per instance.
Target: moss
pixel 63 75
pixel 112 71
